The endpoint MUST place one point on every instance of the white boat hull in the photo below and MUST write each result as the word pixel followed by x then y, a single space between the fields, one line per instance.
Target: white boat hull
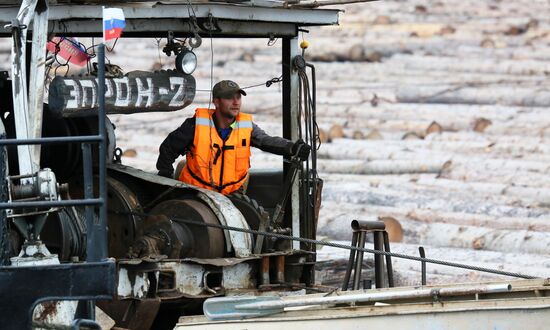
pixel 525 307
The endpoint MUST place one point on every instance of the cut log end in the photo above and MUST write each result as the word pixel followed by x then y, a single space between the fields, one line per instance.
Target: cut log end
pixel 480 124
pixel 434 127
pixel 394 229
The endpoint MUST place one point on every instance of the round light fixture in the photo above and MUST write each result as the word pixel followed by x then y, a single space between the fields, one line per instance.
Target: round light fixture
pixel 186 61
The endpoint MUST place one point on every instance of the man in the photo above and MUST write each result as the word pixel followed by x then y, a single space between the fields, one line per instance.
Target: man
pixel 217 143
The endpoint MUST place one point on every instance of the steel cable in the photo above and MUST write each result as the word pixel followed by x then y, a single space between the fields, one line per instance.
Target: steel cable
pixel 348 247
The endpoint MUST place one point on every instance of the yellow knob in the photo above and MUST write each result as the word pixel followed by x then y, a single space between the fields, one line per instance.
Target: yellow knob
pixel 304 44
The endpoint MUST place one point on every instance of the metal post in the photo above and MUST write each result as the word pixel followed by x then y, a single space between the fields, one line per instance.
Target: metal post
pixel 37 73
pixel 264 269
pixel 314 118
pixel 378 259
pixel 86 309
pixel 101 226
pixel 290 125
pixel 88 194
pixel 345 284
pixel 280 265
pixel 19 84
pixel 389 265
pixel 359 261
pixel 423 255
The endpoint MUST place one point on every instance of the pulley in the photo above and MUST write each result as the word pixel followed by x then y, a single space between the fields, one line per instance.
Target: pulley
pixel 165 235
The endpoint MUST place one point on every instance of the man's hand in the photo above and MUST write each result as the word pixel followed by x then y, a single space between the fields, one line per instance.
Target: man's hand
pixel 301 150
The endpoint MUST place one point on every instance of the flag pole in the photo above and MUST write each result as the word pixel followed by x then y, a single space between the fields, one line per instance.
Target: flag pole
pixel 103 22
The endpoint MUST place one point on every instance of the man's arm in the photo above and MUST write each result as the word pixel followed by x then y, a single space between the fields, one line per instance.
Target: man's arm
pixel 175 144
pixel 273 144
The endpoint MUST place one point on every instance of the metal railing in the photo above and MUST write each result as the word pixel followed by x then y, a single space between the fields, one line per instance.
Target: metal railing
pixel 88 281
pixel 96 228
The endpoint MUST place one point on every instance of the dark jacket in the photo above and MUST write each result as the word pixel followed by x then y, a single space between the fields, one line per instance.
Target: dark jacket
pixel 178 142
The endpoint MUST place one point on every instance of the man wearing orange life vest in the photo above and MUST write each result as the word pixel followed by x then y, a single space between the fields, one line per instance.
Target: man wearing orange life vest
pixel 217 143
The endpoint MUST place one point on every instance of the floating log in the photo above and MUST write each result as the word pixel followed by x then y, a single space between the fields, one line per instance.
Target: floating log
pixel 335 132
pixel 330 210
pixel 468 94
pixel 437 200
pixel 480 220
pixel 380 166
pixel 479 65
pixel 137 91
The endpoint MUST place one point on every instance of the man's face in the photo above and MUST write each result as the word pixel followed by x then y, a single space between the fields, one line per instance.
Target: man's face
pixel 229 108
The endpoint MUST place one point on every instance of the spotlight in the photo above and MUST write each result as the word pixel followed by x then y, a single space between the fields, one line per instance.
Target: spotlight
pixel 186 61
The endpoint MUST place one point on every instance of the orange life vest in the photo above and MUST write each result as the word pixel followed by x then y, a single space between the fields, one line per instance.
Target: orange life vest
pixel 216 164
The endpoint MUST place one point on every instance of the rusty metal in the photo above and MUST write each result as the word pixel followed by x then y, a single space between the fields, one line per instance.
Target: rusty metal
pixel 280 267
pixel 259 244
pixel 93 280
pixel 367 225
pixel 264 271
pixel 162 237
pixel 207 282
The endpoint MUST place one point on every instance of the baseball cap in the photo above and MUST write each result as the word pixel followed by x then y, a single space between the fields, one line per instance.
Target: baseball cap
pixel 225 89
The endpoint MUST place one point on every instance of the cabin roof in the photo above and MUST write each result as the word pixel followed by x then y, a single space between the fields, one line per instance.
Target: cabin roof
pixel 235 18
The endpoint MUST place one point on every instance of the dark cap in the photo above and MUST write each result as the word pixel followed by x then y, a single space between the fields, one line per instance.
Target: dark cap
pixel 225 89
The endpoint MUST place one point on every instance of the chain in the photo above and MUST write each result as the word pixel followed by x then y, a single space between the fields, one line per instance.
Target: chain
pixel 348 247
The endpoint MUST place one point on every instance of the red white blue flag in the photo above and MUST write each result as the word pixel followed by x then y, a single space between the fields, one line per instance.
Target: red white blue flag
pixel 113 23
pixel 69 49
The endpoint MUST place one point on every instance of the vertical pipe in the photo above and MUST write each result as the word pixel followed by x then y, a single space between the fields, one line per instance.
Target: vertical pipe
pixel 378 259
pixel 312 175
pixel 102 225
pixel 20 87
pixel 264 270
pixel 314 118
pixel 345 283
pixel 389 265
pixel 280 265
pixel 37 73
pixel 359 261
pixel 86 309
pixel 88 194
pixel 423 263
pixel 290 128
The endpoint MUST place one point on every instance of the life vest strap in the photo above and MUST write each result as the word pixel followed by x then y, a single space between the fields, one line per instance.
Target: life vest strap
pixel 219 188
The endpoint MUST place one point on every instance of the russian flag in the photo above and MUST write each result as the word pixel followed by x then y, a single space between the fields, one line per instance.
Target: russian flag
pixel 113 23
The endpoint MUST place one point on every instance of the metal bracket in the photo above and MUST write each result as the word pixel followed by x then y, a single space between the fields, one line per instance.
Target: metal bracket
pixel 15 25
pixel 208 25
